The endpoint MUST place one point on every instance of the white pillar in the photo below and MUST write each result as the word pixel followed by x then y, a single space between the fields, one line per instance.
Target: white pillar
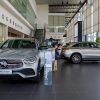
pixel 3 32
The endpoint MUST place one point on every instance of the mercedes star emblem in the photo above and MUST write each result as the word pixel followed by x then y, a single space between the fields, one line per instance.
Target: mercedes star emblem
pixel 3 64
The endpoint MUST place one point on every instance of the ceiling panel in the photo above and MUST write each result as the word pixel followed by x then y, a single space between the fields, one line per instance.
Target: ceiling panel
pixel 69 7
pixel 41 1
pixel 58 2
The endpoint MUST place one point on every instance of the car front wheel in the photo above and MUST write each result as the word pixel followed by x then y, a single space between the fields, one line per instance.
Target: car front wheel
pixel 38 77
pixel 76 58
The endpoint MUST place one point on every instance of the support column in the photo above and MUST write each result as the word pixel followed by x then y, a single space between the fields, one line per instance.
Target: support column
pixel 79 31
pixel 3 32
pixel 22 35
pixel 98 18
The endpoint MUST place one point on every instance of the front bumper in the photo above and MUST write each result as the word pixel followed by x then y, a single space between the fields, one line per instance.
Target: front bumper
pixel 20 73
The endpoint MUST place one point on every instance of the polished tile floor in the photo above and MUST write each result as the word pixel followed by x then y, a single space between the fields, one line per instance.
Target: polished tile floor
pixel 70 82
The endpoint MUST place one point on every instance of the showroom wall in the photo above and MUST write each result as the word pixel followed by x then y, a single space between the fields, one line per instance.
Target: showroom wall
pixel 34 6
pixel 13 18
pixel 56 25
pixel 88 22
pixel 3 32
pixel 8 19
pixel 71 29
pixel 91 23
pixel 42 16
pixel 91 20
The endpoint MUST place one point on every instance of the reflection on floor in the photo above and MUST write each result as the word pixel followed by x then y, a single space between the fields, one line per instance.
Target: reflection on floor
pixel 70 82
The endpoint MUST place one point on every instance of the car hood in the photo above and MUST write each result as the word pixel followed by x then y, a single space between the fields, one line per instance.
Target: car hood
pixel 17 53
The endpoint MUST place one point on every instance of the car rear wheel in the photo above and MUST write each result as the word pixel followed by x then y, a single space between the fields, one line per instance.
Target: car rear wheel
pixel 76 58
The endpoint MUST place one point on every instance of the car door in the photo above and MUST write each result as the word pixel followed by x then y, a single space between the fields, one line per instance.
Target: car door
pixel 90 51
pixel 83 49
pixel 95 51
pixel 86 51
pixel 76 48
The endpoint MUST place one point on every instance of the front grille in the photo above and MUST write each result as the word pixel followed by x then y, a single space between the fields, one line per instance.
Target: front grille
pixel 11 64
pixel 27 71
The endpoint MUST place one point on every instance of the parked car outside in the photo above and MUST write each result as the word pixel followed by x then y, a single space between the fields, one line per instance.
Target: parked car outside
pixel 21 58
pixel 79 51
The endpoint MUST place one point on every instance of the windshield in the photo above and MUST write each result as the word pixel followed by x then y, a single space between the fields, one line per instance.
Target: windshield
pixel 66 45
pixel 70 45
pixel 19 44
pixel 27 44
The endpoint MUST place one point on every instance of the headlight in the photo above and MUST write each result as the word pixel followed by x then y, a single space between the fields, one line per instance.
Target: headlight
pixel 30 60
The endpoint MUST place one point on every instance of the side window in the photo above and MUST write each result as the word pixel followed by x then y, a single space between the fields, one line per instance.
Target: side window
pixel 96 45
pixel 16 43
pixel 7 44
pixel 86 45
pixel 91 45
pixel 77 45
pixel 28 44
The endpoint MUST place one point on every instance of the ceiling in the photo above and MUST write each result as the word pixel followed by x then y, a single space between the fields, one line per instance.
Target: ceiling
pixel 69 7
pixel 57 2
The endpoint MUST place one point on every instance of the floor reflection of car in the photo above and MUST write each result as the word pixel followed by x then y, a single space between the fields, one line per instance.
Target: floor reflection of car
pixel 77 52
pixel 21 58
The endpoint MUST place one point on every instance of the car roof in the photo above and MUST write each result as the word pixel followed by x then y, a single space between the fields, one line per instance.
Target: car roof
pixel 73 43
pixel 30 39
pixel 20 38
pixel 85 42
pixel 80 42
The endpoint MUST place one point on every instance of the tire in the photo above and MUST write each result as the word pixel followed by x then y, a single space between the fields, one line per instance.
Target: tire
pixel 38 77
pixel 76 58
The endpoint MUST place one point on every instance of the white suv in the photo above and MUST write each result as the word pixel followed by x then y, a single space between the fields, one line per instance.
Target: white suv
pixel 76 52
pixel 21 58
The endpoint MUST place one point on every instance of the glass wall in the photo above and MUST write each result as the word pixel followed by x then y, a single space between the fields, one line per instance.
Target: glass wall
pixel 56 24
pixel 25 9
pixel 92 20
pixel 76 33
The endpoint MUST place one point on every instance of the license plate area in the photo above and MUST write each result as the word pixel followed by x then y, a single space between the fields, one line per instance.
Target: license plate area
pixel 5 72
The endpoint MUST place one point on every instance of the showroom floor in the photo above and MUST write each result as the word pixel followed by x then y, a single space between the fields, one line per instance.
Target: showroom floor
pixel 70 82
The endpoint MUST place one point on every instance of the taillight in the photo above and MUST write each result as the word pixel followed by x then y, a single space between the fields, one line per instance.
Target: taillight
pixel 65 49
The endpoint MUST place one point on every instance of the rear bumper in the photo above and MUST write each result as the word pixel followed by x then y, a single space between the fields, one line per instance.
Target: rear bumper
pixel 65 55
pixel 62 56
